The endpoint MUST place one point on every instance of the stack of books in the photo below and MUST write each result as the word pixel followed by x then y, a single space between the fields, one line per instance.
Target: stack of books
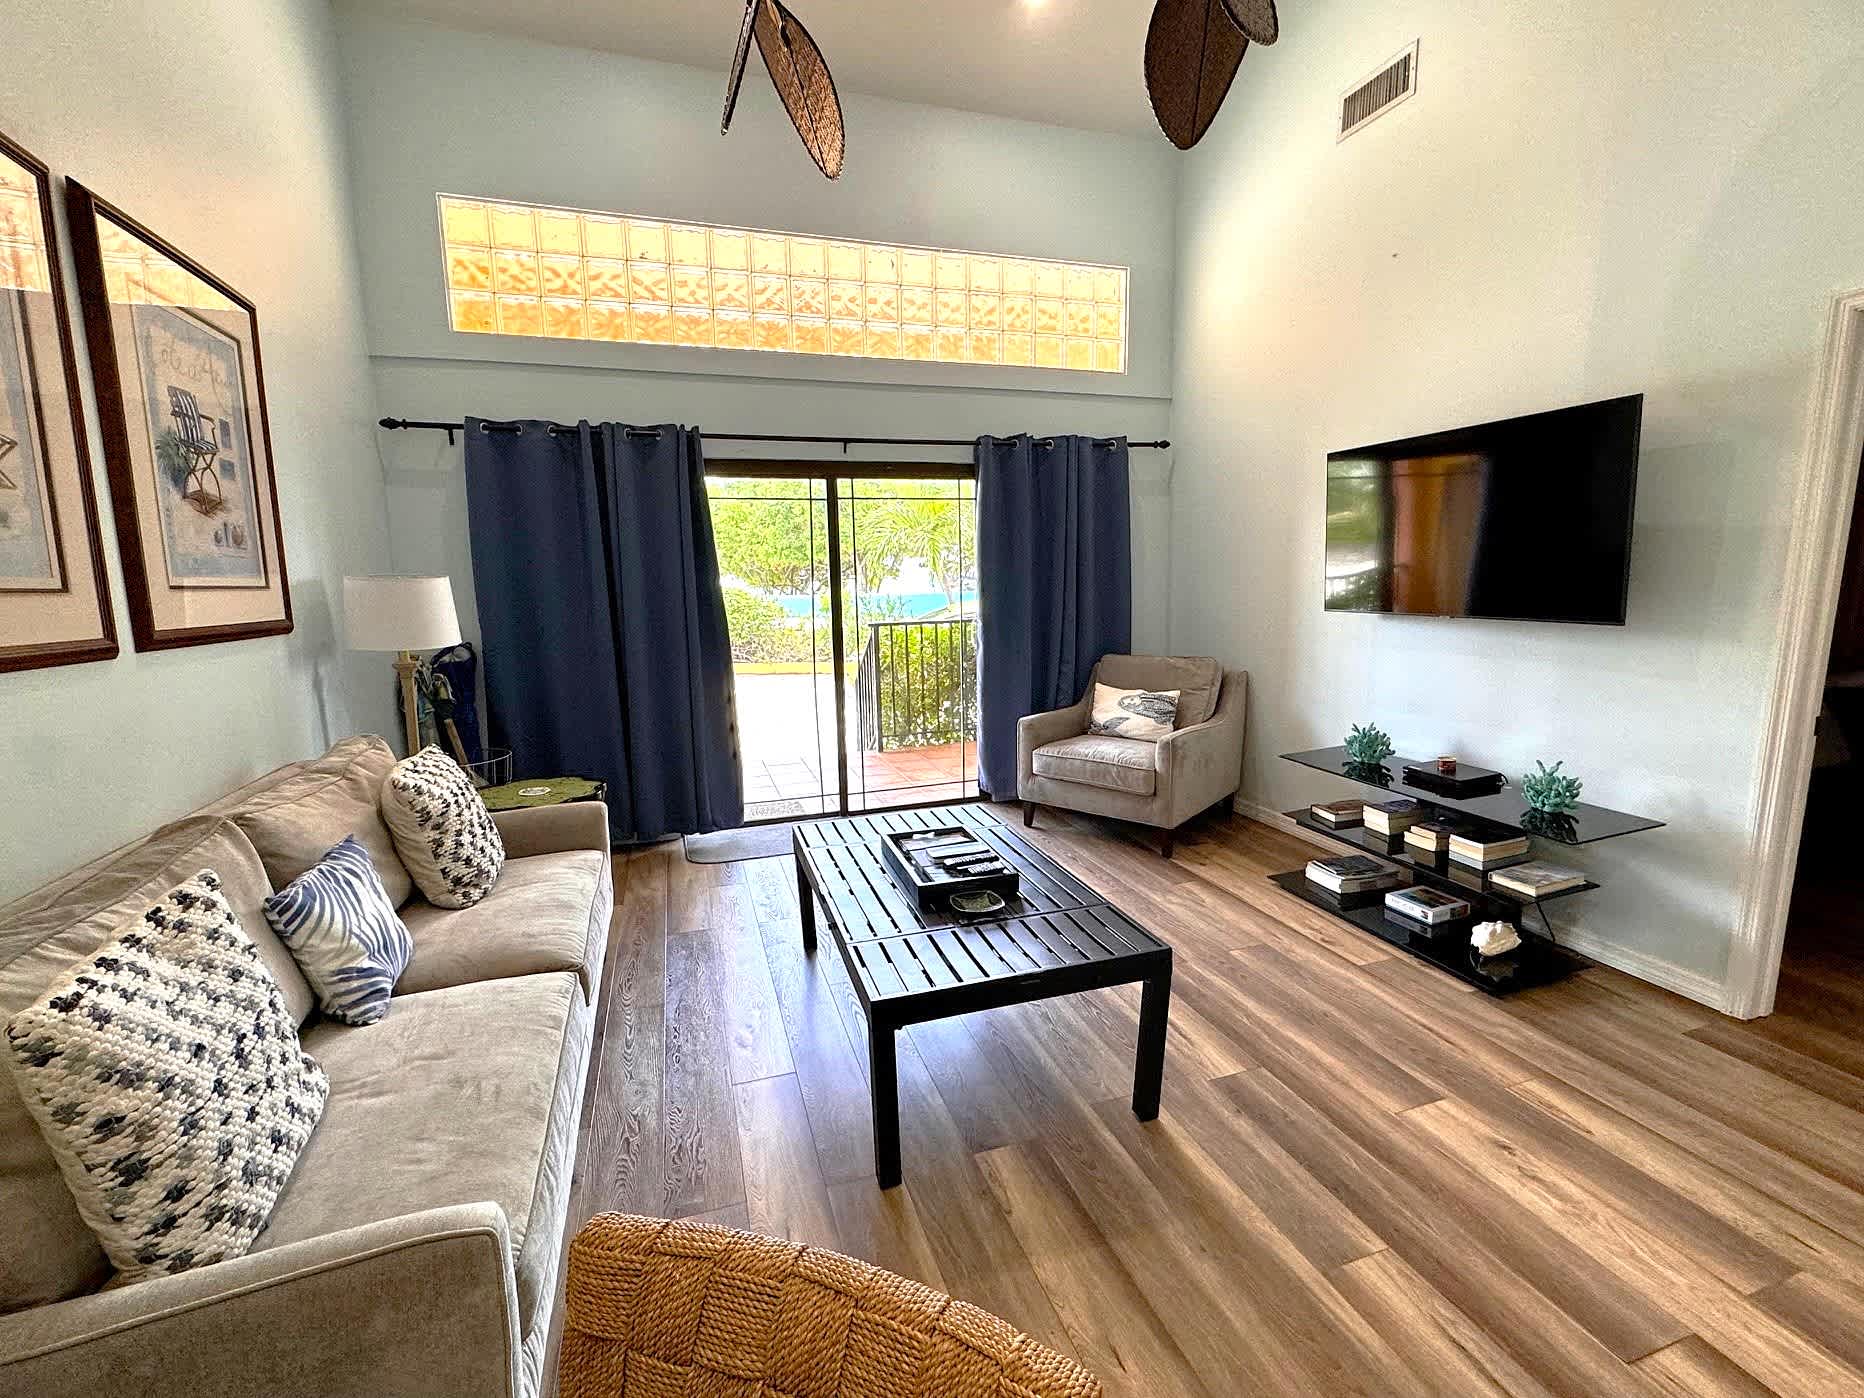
pixel 1431 837
pixel 1392 817
pixel 1537 879
pixel 1338 815
pixel 1487 849
pixel 1426 905
pixel 1352 873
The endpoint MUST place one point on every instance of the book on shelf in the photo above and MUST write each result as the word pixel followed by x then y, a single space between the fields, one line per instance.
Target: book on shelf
pixel 1392 817
pixel 1426 905
pixel 1433 837
pixel 1338 814
pixel 1352 873
pixel 1486 849
pixel 1537 879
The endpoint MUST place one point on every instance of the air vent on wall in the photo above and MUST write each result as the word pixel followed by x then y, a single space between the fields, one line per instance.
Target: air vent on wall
pixel 1379 93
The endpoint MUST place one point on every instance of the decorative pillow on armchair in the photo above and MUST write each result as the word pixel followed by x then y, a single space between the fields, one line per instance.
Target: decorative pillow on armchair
pixel 341 929
pixel 166 1075
pixel 1146 714
pixel 442 830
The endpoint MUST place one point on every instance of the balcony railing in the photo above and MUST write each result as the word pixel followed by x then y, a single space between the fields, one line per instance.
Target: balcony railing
pixel 917 684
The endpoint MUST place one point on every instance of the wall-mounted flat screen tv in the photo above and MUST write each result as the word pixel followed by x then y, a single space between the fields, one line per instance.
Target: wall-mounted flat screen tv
pixel 1523 520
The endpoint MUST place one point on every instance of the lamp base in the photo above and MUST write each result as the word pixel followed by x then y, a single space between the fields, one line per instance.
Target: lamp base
pixel 405 667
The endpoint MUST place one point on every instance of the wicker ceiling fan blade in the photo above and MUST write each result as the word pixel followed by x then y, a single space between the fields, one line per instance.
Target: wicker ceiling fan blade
pixel 735 84
pixel 1193 49
pixel 1256 18
pixel 802 79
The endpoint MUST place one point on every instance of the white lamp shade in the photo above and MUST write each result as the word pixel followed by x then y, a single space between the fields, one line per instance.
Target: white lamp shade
pixel 400 613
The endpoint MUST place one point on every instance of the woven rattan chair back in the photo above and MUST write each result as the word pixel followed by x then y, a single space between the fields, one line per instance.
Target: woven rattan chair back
pixel 677 1310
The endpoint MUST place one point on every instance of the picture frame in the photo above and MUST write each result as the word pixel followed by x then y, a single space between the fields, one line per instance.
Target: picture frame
pixel 180 383
pixel 55 606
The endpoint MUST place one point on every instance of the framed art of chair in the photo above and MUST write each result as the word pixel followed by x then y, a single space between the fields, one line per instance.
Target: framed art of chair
pixel 181 400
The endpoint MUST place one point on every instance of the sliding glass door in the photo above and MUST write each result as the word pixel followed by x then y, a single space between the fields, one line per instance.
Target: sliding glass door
pixel 851 594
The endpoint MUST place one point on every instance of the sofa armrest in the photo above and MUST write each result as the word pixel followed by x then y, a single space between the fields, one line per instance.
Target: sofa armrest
pixel 554 829
pixel 1038 730
pixel 1200 765
pixel 425 1303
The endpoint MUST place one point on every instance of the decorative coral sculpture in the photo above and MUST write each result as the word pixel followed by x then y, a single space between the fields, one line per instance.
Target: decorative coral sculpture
pixel 1368 746
pixel 1546 790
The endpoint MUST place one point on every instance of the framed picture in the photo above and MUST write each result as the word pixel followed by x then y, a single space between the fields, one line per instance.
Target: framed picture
pixel 54 603
pixel 181 397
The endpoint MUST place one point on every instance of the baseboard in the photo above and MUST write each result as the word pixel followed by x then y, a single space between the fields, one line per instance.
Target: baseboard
pixel 1666 975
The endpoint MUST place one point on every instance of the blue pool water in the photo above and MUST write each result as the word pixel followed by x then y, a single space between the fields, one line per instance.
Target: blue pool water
pixel 887 607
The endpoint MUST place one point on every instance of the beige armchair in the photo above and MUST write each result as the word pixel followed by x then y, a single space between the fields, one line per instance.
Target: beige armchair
pixel 1162 784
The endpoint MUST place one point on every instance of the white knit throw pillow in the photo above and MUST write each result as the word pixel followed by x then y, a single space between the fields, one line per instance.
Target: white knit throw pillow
pixel 166 1075
pixel 442 830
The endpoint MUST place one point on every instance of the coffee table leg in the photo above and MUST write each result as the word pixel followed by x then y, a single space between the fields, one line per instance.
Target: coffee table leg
pixel 885 1086
pixel 805 899
pixel 1149 1064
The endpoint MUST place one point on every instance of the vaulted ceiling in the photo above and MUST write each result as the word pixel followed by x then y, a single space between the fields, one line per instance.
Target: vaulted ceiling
pixel 1065 62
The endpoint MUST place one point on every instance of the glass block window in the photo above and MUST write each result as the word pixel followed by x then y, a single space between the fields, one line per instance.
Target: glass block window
pixel 526 269
pixel 135 274
pixel 23 262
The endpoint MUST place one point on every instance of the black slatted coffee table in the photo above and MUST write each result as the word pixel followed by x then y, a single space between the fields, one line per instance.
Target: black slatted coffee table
pixel 909 964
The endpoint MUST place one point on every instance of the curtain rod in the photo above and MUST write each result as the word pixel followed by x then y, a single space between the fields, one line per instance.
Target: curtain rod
pixel 404 424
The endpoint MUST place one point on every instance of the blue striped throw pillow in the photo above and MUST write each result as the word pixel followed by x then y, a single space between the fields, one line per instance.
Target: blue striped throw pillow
pixel 337 922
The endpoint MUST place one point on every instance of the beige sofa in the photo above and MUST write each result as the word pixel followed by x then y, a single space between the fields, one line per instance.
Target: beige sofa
pixel 415 1248
pixel 1163 784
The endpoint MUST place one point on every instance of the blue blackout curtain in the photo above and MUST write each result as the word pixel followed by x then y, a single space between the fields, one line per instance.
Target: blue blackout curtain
pixel 605 648
pixel 1055 581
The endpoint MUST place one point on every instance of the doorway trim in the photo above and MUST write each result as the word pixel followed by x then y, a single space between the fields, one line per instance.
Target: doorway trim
pixel 1823 496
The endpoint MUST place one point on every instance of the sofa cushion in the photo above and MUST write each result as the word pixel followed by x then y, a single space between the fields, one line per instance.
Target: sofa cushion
pixel 46 1252
pixel 298 821
pixel 444 833
pixel 166 1075
pixel 456 1096
pixel 547 912
pixel 1197 678
pixel 1117 764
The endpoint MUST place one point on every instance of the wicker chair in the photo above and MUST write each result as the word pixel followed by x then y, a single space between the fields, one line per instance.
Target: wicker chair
pixel 685 1310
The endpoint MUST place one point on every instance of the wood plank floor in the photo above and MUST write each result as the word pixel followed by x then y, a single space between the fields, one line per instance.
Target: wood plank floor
pixel 1366 1178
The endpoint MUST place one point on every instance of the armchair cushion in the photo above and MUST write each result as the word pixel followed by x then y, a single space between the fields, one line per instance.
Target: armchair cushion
pixel 1093 759
pixel 1197 678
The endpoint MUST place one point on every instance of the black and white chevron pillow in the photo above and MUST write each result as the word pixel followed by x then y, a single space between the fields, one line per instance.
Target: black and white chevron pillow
pixel 166 1075
pixel 442 830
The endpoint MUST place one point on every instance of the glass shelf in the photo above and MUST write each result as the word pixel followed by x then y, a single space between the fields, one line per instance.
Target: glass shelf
pixel 1436 871
pixel 1583 825
pixel 1537 961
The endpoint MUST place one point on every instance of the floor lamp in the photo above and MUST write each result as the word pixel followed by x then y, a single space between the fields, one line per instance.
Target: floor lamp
pixel 402 615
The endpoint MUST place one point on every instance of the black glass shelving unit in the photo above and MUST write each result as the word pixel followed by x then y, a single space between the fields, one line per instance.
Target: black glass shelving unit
pixel 1539 960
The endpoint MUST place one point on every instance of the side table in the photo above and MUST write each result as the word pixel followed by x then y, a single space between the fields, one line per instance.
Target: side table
pixel 543 791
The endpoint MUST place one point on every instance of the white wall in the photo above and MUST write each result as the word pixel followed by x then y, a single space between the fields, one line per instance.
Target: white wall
pixel 1582 200
pixel 433 110
pixel 218 124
